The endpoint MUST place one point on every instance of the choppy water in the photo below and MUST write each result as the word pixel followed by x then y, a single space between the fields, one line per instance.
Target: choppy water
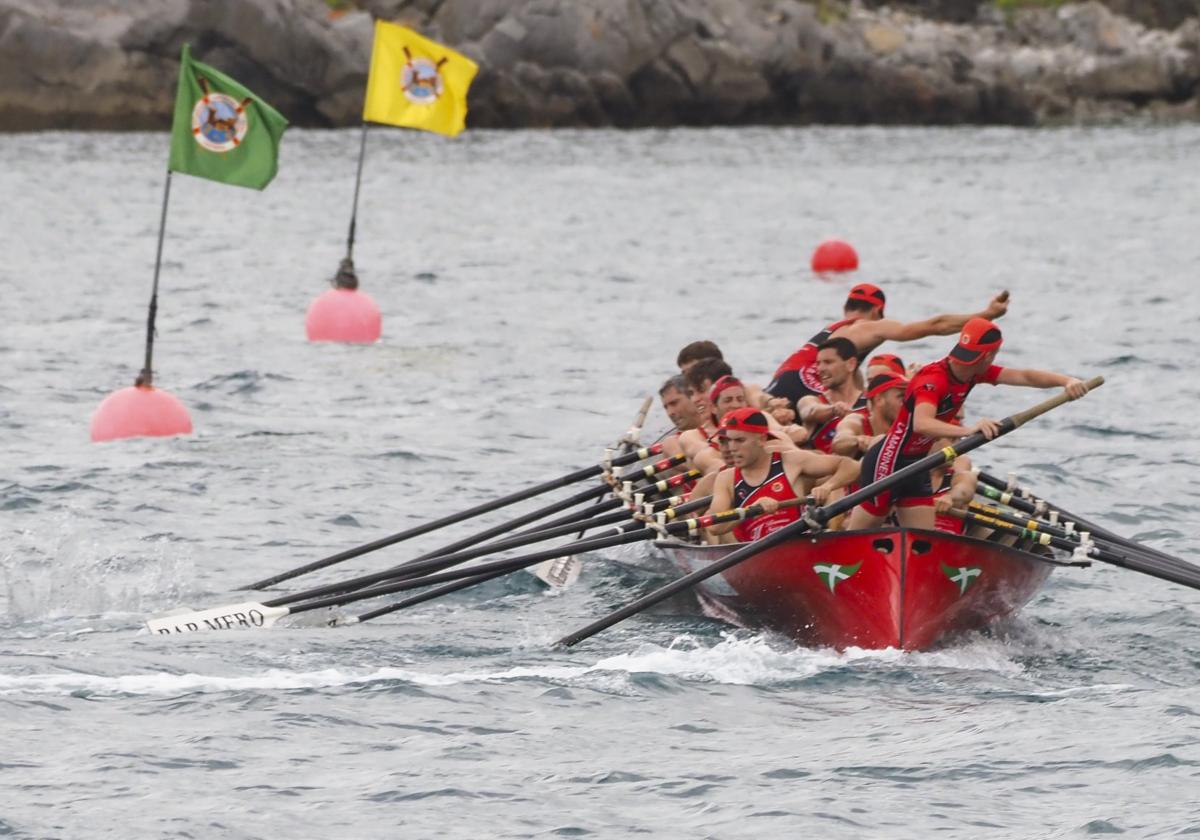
pixel 535 287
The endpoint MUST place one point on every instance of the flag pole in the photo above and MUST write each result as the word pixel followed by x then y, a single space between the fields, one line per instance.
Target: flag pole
pixel 362 152
pixel 145 379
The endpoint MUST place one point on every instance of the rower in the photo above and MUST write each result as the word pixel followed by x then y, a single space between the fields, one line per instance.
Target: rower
pixel 694 352
pixel 761 477
pixel 701 377
pixel 837 367
pixel 858 430
pixel 933 397
pixel 677 402
pixel 954 489
pixel 886 363
pixel 863 323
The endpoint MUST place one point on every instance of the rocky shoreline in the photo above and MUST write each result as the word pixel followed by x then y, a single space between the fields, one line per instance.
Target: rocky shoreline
pixel 111 64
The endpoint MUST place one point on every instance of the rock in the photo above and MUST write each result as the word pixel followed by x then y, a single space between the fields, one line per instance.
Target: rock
pixel 884 39
pixel 616 62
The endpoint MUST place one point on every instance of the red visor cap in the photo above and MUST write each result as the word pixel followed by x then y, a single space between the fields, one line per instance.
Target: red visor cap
pixel 745 420
pixel 869 293
pixel 720 385
pixel 884 382
pixel 887 360
pixel 978 337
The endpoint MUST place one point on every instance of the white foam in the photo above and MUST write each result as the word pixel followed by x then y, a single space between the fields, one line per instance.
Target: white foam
pixel 66 571
pixel 736 660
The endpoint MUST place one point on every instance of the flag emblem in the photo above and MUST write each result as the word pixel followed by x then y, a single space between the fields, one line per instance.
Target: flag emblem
pixel 961 576
pixel 416 83
pixel 421 79
pixel 219 122
pixel 221 130
pixel 835 573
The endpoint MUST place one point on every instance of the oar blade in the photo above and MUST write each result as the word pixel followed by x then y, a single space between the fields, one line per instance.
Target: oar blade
pixel 558 573
pixel 249 615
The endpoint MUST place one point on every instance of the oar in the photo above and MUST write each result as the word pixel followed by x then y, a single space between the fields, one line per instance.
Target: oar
pixel 447 556
pixel 470 513
pixel 255 615
pixel 1020 498
pixel 817 518
pixel 458 586
pixel 1146 565
pixel 630 438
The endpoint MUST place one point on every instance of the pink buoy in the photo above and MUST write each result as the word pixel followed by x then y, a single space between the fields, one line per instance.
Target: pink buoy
pixel 139 411
pixel 834 255
pixel 344 315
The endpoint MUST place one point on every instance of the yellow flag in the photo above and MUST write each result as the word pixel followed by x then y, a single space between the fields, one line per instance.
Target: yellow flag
pixel 417 83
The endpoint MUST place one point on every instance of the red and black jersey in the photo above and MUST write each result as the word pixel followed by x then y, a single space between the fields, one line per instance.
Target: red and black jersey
pixel 936 385
pixel 822 437
pixel 797 376
pixel 777 486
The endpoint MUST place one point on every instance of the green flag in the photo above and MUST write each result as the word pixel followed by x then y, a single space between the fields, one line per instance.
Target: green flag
pixel 221 130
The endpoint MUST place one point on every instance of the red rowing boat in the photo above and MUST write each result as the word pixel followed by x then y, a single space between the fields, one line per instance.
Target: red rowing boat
pixel 889 587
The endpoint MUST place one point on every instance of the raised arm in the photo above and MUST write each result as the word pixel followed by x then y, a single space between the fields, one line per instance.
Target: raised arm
pixel 873 333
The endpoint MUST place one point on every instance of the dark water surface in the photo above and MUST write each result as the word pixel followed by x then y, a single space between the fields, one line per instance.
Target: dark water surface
pixel 535 287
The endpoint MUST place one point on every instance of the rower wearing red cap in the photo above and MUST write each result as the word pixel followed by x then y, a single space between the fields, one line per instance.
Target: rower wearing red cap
pixel 863 323
pixel 837 368
pixel 931 401
pixel 857 431
pixel 765 478
pixel 700 444
pixel 886 363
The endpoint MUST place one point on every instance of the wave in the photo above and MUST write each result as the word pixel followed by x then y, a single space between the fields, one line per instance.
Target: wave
pixel 735 660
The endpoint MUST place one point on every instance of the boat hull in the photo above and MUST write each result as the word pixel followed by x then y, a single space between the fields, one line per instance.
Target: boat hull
pixel 882 588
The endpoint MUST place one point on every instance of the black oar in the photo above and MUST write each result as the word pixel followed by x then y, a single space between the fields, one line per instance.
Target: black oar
pixel 252 615
pixel 1020 498
pixel 1127 560
pixel 1066 530
pixel 470 513
pixel 458 586
pixel 630 439
pixel 435 561
pixel 820 516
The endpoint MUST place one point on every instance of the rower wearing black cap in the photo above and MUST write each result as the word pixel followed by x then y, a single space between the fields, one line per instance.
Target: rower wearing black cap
pixel 864 324
pixel 931 401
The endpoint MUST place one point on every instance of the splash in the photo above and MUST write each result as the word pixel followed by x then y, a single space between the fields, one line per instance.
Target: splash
pixel 737 659
pixel 67 571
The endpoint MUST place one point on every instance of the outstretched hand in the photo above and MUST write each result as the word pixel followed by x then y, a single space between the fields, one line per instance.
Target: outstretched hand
pixel 997 307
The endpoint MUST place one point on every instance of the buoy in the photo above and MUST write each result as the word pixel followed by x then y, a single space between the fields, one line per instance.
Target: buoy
pixel 139 411
pixel 834 255
pixel 344 315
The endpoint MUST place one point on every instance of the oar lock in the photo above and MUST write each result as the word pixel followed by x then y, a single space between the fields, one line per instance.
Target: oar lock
pixel 1083 551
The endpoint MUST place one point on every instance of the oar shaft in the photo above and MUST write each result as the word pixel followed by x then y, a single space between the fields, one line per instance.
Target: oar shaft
pixel 470 513
pixel 820 516
pixel 578 547
pixel 1072 536
pixel 479 577
pixel 998 490
pixel 1146 565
